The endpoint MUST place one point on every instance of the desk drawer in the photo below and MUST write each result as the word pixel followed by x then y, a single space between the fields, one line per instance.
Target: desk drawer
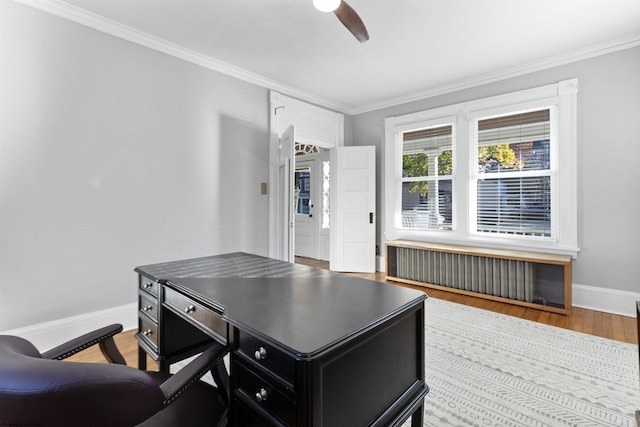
pixel 260 395
pixel 194 312
pixel 148 305
pixel 149 331
pixel 267 357
pixel 250 416
pixel 149 285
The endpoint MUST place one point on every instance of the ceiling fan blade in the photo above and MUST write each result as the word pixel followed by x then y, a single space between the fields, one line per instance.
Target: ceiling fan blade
pixel 352 21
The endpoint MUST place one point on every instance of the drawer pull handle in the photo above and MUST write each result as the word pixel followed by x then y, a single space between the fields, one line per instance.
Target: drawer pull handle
pixel 260 354
pixel 261 396
pixel 147 332
pixel 190 309
pixel 148 308
pixel 148 285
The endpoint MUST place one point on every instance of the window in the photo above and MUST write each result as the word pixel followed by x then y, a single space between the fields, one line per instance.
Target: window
pixel 427 166
pixel 512 176
pixel 302 190
pixel 326 188
pixel 494 172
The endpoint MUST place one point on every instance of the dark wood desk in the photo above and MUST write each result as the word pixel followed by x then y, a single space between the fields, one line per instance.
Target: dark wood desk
pixel 308 347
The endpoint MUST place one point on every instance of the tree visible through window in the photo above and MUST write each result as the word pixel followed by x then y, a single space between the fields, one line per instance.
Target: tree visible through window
pixel 427 166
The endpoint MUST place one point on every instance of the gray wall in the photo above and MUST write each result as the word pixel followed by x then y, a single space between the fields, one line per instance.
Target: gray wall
pixel 113 155
pixel 608 159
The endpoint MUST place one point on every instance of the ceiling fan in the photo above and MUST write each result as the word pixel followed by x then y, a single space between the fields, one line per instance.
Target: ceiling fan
pixel 346 15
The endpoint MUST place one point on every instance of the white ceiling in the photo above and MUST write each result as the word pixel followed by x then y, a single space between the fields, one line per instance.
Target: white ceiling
pixel 417 47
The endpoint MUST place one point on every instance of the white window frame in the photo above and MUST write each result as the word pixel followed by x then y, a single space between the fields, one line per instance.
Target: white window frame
pixel 561 98
pixel 474 175
pixel 429 124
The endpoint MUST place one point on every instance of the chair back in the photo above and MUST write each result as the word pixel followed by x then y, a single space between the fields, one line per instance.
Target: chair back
pixel 50 393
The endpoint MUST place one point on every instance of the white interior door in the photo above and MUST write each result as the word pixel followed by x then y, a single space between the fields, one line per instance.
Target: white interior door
pixel 353 203
pixel 285 200
pixel 305 208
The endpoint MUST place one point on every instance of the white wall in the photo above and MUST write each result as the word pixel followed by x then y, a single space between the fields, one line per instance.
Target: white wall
pixel 608 166
pixel 113 155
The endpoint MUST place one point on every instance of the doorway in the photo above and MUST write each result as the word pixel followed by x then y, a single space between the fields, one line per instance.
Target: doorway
pixel 348 238
pixel 311 126
pixel 311 207
pixel 305 238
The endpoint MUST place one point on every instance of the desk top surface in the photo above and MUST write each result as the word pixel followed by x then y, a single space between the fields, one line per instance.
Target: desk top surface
pixel 305 310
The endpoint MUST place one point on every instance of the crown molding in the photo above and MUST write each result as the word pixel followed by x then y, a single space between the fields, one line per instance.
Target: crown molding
pixel 75 14
pixel 507 73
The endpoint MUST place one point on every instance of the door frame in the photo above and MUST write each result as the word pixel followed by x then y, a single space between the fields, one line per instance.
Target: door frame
pixel 313 125
pixel 284 192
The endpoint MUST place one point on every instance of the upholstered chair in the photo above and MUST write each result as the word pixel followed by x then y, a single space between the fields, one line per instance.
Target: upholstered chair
pixel 40 389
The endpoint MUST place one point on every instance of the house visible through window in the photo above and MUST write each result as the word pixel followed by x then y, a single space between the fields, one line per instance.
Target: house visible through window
pixel 513 181
pixel 427 164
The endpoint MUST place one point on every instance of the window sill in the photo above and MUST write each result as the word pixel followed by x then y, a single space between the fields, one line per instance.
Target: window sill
pixel 448 237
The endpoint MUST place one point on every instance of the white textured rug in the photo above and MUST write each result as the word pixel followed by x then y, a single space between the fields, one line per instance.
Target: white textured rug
pixel 489 369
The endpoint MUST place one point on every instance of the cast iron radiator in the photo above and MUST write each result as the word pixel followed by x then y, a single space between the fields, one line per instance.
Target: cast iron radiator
pixel 494 276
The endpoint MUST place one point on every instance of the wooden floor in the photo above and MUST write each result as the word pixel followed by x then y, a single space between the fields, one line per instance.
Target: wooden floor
pixel 620 328
pixel 597 323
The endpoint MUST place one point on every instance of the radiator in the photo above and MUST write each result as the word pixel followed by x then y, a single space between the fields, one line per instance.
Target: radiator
pixel 493 276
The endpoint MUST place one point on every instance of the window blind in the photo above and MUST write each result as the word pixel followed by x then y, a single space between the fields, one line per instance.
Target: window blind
pixel 514 182
pixel 430 140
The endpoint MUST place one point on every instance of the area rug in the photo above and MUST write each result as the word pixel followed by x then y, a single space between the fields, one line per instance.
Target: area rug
pixel 489 369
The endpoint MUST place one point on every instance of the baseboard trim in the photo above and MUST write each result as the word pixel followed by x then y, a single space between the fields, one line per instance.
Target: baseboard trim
pixel 607 300
pixel 49 334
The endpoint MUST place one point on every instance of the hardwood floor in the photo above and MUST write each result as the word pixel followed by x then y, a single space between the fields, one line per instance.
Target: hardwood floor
pixel 620 328
pixel 127 345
